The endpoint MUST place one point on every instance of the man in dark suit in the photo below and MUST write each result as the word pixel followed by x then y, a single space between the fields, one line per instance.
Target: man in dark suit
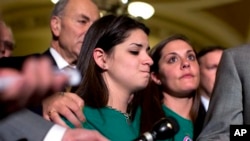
pixel 229 104
pixel 69 22
pixel 209 59
pixel 68 26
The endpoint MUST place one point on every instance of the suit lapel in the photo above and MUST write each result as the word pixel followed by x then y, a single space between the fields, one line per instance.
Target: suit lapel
pixel 48 54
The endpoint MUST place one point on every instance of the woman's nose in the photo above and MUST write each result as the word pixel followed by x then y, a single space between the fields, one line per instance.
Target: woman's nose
pixel 185 65
pixel 149 60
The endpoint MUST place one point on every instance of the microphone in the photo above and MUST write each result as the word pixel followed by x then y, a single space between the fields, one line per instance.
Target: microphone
pixel 74 76
pixel 163 129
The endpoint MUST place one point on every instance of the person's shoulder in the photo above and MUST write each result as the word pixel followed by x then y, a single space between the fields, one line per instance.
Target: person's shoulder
pixel 241 48
pixel 239 52
pixel 91 112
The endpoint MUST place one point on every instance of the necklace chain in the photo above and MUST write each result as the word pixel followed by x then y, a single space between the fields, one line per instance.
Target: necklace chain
pixel 126 115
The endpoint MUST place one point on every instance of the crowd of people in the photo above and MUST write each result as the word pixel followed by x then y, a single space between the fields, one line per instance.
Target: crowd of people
pixel 126 86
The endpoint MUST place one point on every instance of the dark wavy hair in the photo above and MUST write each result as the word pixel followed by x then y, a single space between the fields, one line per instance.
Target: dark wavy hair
pixel 105 33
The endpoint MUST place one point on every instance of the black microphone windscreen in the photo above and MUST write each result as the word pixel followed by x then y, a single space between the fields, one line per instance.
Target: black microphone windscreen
pixel 165 128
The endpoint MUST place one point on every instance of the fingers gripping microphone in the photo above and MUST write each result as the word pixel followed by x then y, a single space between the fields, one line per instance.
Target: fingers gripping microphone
pixel 163 129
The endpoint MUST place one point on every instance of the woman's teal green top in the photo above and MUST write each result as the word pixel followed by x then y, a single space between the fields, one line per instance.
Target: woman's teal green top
pixel 185 132
pixel 109 122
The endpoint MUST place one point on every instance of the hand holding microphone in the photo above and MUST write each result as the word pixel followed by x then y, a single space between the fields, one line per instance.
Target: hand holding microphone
pixel 163 129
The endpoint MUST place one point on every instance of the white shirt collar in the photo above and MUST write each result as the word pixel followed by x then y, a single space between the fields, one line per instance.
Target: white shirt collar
pixel 205 102
pixel 61 63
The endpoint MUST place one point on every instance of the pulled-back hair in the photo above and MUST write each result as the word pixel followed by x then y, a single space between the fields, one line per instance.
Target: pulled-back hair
pixel 105 33
pixel 152 96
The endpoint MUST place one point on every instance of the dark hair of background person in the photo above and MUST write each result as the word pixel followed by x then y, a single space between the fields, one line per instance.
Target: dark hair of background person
pixel 208 49
pixel 105 33
pixel 151 97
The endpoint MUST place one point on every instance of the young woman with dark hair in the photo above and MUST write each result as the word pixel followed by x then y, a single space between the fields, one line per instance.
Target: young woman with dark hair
pixel 115 64
pixel 172 91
